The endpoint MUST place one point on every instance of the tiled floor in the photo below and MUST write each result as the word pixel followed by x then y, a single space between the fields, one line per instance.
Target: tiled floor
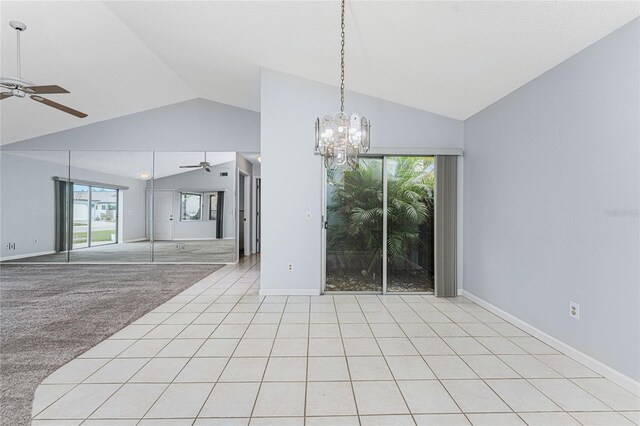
pixel 219 354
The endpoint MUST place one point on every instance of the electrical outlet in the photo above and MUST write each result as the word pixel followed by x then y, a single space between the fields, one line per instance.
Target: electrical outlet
pixel 35 240
pixel 10 246
pixel 574 310
pixel 290 267
pixel 308 216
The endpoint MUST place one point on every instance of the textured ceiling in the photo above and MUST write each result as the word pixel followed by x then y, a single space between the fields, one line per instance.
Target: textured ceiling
pixel 451 58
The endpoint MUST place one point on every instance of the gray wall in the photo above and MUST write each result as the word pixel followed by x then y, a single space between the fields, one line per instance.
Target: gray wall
pixel 201 181
pixel 292 174
pixel 27 204
pixel 194 125
pixel 552 191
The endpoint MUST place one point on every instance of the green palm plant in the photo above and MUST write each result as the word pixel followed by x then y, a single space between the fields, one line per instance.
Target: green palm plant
pixel 356 209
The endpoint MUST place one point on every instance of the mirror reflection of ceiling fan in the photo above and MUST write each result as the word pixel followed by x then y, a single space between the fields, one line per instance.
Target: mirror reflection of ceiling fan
pixel 20 88
pixel 204 165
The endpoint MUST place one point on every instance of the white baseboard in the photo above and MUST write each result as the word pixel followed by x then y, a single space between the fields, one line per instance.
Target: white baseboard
pixel 135 240
pixel 615 376
pixel 288 292
pixel 24 256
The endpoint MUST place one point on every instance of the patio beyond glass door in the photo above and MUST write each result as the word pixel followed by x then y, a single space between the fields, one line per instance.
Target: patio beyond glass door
pixel 379 223
pixel 353 224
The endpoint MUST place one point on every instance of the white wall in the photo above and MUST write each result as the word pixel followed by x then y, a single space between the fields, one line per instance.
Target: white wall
pixel 201 181
pixel 292 173
pixel 27 206
pixel 551 199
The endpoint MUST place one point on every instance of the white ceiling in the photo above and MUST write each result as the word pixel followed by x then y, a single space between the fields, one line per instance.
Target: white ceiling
pixel 452 58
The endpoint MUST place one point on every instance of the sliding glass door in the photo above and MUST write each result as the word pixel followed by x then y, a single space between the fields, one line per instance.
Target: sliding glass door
pixel 379 222
pixel 353 223
pixel 95 216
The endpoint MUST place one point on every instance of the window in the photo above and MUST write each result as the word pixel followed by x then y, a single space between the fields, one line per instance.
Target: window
pixel 213 207
pixel 190 206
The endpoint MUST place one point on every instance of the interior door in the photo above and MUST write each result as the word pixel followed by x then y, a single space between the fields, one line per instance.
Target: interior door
pixel 163 215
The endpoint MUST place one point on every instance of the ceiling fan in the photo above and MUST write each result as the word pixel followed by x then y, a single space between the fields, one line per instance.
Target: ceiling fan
pixel 19 87
pixel 205 165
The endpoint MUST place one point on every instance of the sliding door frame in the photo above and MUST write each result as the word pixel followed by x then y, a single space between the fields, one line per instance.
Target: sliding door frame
pixel 385 183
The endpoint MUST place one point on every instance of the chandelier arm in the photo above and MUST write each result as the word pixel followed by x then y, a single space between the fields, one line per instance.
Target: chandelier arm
pixel 342 57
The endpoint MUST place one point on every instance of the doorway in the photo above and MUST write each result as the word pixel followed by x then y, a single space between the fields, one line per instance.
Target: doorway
pixel 163 215
pixel 379 226
pixel 244 209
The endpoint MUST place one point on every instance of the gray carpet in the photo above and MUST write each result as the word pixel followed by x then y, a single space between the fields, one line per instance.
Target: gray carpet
pixel 50 314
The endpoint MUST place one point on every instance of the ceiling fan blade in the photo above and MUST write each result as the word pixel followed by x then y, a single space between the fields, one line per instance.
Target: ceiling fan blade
pixel 58 106
pixel 207 169
pixel 43 90
pixel 4 95
pixel 190 167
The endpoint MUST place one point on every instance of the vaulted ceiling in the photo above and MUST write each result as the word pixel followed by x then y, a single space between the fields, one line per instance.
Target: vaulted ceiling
pixel 450 58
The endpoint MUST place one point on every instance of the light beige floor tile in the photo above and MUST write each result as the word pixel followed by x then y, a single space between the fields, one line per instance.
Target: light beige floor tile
pixel 280 399
pixel 361 347
pixel 522 396
pixel 427 396
pixel 277 421
pixel 261 331
pixel 549 419
pixel 230 331
pixel 409 367
pixel 448 330
pixel 497 419
pixel 449 367
pixel 602 419
pixel 153 318
pixel 267 318
pixel 501 346
pixel 181 348
pixel 478 329
pixel 110 422
pixel 418 330
pixel 392 346
pixel 204 370
pixel 533 345
pixel 351 318
pixel 330 399
pixel 355 330
pixel 387 330
pixel 159 370
pixel 324 330
pixel 466 346
pixel 395 420
pixel 56 422
pixel 610 393
pixel 130 401
pixel 567 395
pixel 133 331
pixel 253 348
pixel 431 346
pixel 379 398
pixel 286 370
pixel 507 330
pixel 489 367
pixel 47 394
pixel 75 371
pixel 295 318
pixel 244 370
pixel 333 421
pixel 289 347
pixel 271 307
pixel 529 367
pixel 181 318
pixel 441 420
pixel 323 318
pixel 181 400
pixel 217 348
pixel 325 369
pixel 293 331
pixel 210 318
pixel 230 400
pixel 238 318
pixel 117 370
pixel 144 348
pixel 369 368
pixel 165 331
pixel 634 416
pixel 109 348
pixel 566 366
pixel 474 396
pixel 326 347
pixel 197 331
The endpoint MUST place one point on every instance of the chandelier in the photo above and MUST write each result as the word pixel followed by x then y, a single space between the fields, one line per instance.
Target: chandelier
pixel 339 138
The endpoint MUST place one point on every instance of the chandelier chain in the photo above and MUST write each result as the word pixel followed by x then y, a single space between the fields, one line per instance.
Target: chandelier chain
pixel 342 59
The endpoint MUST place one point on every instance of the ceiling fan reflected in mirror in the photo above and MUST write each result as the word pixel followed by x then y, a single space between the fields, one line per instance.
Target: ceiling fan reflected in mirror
pixel 204 165
pixel 20 88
